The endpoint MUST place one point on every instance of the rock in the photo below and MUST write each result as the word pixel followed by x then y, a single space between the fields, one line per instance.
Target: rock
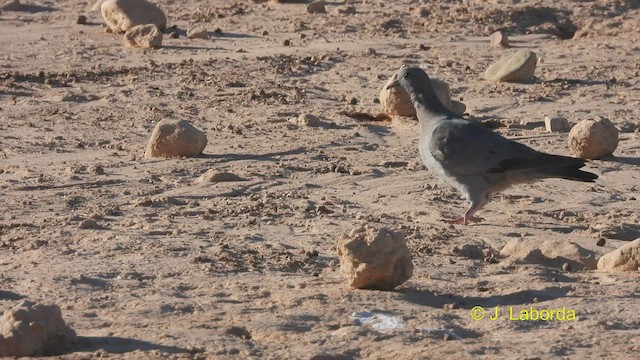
pixel 553 253
pixel 31 329
pixel 81 20
pixel 212 176
pixel 346 10
pixel 122 15
pixel 144 36
pixel 593 139
pixel 396 101
pixel 317 7
pixel 556 124
pixel 513 68
pixel 306 120
pixel 601 242
pixel 375 258
pixel 197 32
pixel 172 138
pixel 499 38
pixel 624 258
pixel 11 5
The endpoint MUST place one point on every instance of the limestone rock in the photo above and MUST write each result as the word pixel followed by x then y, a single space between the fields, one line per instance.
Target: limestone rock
pixel 197 32
pixel 513 68
pixel 173 138
pixel 144 36
pixel 306 120
pixel 31 329
pixel 593 139
pixel 317 7
pixel 624 258
pixel 499 38
pixel 122 15
pixel 375 258
pixel 556 124
pixel 11 5
pixel 396 101
pixel 553 253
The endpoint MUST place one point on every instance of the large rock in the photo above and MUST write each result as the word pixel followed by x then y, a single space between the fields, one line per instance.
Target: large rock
pixel 624 258
pixel 122 15
pixel 554 253
pixel 33 330
pixel 513 68
pixel 375 258
pixel 593 139
pixel 173 138
pixel 396 101
pixel 144 36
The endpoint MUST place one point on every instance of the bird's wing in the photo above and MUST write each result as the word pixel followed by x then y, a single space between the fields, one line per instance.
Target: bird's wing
pixel 466 148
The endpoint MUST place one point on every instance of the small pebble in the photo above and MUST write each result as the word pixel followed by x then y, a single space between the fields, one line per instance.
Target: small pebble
pixel 286 43
pixel 566 267
pixel 81 20
pixel 601 242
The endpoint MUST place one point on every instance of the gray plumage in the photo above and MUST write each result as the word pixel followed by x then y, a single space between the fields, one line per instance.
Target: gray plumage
pixel 472 158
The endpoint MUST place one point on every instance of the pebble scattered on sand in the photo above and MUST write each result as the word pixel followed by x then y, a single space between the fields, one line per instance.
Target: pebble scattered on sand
pixel 499 38
pixel 197 32
pixel 556 124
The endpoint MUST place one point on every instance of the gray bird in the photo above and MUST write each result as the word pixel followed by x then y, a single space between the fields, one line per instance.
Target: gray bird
pixel 471 158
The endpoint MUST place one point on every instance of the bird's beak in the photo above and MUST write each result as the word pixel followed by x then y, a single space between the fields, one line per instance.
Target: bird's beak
pixel 393 84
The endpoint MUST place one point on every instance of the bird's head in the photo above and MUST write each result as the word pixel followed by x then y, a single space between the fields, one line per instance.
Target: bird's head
pixel 412 78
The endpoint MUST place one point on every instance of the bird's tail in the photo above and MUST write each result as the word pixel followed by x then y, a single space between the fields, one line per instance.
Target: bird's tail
pixel 568 168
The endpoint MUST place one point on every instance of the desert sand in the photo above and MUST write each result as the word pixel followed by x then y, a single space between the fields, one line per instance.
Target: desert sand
pixel 148 259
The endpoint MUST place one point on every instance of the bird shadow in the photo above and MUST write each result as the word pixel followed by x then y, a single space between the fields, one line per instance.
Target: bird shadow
pixel 121 345
pixel 427 298
pixel 10 295
pixel 258 157
pixel 36 8
pixel 624 160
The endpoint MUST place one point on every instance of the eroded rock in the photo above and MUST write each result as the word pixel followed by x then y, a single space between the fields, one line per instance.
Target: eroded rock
pixel 375 258
pixel 31 329
pixel 122 15
pixel 624 258
pixel 197 32
pixel 593 138
pixel 396 101
pixel 173 138
pixel 556 124
pixel 552 253
pixel 143 36
pixel 498 39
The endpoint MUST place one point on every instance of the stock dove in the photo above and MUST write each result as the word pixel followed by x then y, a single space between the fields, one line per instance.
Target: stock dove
pixel 471 158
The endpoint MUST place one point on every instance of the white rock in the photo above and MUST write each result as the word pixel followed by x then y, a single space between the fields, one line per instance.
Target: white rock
pixel 197 32
pixel 173 138
pixel 499 38
pixel 593 139
pixel 514 68
pixel 624 258
pixel 122 15
pixel 31 329
pixel 552 252
pixel 375 258
pixel 144 36
pixel 556 124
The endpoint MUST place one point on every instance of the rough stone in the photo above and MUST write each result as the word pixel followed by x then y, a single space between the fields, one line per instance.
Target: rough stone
pixel 81 20
pixel 144 36
pixel 31 329
pixel 197 32
pixel 306 120
pixel 624 258
pixel 553 253
pixel 499 38
pixel 346 10
pixel 593 138
pixel 213 176
pixel 173 138
pixel 513 68
pixel 317 7
pixel 122 15
pixel 375 258
pixel 556 124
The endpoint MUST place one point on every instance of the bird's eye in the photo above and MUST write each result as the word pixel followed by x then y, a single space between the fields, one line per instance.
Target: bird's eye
pixel 406 75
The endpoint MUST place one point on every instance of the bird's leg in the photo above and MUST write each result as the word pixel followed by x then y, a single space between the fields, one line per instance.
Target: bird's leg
pixel 468 218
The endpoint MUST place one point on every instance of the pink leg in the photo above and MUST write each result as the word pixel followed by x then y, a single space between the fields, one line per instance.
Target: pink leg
pixel 468 217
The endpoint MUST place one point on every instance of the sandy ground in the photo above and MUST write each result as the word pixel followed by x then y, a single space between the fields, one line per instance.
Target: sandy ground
pixel 147 263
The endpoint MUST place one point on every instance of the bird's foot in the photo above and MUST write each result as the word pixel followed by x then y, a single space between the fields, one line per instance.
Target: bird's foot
pixel 462 221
